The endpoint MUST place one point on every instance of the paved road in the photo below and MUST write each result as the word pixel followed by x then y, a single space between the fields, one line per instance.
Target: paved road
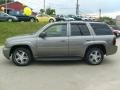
pixel 69 75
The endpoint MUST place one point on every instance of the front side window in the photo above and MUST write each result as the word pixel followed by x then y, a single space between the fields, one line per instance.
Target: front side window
pixel 79 30
pixel 57 30
pixel 1 14
pixel 101 29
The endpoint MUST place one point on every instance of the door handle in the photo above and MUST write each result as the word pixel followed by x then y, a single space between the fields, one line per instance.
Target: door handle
pixel 88 40
pixel 63 41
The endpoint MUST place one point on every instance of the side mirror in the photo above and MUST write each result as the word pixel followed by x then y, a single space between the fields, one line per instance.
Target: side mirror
pixel 5 15
pixel 43 35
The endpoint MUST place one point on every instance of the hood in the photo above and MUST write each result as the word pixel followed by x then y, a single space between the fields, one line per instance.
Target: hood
pixel 22 37
pixel 13 17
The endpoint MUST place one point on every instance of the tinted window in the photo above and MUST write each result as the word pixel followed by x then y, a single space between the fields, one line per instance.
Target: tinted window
pixel 79 29
pixel 57 30
pixel 1 14
pixel 101 29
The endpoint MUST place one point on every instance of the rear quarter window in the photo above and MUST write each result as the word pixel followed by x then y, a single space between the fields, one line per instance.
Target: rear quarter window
pixel 101 29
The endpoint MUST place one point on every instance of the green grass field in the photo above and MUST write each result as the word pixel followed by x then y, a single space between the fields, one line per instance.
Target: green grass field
pixel 13 29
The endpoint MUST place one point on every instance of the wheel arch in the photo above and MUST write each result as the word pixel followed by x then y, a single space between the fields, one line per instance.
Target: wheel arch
pixel 100 46
pixel 20 46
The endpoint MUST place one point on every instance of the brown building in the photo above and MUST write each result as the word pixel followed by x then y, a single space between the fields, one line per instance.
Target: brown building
pixel 14 7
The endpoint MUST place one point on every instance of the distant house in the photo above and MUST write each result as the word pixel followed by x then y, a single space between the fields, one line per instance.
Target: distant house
pixel 14 8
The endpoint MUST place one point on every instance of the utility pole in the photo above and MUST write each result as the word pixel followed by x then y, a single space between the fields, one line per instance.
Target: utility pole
pixel 6 6
pixel 44 6
pixel 77 8
pixel 100 12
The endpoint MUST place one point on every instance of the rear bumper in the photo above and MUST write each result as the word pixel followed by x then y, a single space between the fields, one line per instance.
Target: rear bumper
pixel 111 50
pixel 6 52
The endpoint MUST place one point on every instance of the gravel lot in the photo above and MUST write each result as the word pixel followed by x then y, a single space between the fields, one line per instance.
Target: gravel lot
pixel 67 75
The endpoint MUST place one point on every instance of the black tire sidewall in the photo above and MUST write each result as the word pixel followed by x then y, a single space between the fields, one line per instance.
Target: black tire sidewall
pixel 10 19
pixel 25 50
pixel 89 52
pixel 51 20
pixel 32 20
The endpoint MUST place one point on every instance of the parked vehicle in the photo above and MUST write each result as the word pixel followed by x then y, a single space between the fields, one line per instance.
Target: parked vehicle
pixel 26 18
pixel 64 18
pixel 63 41
pixel 45 18
pixel 116 31
pixel 76 18
pixel 7 17
pixel 85 18
pixel 67 18
pixel 59 18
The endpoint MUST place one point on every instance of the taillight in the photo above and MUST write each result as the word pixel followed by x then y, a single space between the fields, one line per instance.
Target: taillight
pixel 114 41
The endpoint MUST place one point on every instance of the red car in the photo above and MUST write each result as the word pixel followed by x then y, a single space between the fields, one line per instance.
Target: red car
pixel 116 31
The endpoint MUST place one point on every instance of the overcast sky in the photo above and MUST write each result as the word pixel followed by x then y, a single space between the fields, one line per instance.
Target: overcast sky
pixel 108 7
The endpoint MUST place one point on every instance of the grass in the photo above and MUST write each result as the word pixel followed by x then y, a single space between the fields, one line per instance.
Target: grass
pixel 17 28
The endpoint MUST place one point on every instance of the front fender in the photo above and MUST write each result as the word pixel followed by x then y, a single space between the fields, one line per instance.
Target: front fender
pixel 31 45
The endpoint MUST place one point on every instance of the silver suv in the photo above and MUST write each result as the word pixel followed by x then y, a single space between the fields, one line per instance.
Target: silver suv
pixel 74 40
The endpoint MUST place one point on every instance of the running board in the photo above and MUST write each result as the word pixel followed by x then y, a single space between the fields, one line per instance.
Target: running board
pixel 58 59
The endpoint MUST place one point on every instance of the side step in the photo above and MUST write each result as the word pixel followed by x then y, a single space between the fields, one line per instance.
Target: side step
pixel 59 59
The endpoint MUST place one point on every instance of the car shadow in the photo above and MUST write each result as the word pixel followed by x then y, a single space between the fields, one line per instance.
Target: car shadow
pixel 107 61
pixel 60 63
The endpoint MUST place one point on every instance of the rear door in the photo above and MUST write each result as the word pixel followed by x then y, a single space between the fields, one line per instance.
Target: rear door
pixel 79 36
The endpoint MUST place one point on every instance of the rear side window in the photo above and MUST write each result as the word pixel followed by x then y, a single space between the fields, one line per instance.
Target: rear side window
pixel 79 30
pixel 101 29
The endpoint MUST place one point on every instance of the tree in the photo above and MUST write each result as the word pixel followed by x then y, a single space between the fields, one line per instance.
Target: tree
pixel 107 20
pixel 50 11
pixel 42 11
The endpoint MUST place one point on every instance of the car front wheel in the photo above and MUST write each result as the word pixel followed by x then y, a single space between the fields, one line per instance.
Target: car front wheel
pixel 22 56
pixel 51 20
pixel 94 56
pixel 10 20
pixel 32 20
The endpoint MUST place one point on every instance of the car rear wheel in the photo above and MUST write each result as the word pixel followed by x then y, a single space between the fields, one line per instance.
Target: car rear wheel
pixel 22 56
pixel 94 56
pixel 51 20
pixel 32 20
pixel 10 20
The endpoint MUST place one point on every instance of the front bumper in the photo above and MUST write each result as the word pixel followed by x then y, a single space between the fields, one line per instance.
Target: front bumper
pixel 6 52
pixel 111 50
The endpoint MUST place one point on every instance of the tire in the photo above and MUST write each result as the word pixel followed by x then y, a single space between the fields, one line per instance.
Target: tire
pixel 94 56
pixel 51 20
pixel 21 57
pixel 10 20
pixel 116 35
pixel 32 20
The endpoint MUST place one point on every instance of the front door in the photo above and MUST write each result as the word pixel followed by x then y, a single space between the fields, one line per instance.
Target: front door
pixel 55 44
pixel 2 17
